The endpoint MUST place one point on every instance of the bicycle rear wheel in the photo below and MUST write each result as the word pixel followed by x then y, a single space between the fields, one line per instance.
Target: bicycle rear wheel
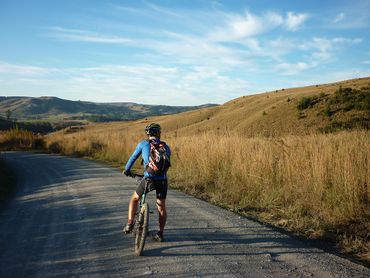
pixel 141 229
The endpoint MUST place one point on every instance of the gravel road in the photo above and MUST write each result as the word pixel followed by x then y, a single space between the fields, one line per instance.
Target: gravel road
pixel 66 218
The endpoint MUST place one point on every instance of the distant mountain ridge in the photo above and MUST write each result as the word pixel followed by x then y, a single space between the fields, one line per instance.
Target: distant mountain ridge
pixel 53 108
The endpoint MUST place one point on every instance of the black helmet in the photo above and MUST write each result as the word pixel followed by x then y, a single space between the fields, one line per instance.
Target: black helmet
pixel 153 129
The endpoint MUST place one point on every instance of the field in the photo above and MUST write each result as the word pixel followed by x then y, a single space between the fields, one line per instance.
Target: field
pixel 276 156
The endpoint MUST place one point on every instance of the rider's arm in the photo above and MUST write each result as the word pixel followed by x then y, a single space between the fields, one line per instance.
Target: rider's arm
pixel 135 155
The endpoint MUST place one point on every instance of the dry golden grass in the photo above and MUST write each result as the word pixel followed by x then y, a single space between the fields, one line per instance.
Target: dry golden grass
pixel 272 165
pixel 314 184
pixel 267 114
pixel 319 181
pixel 18 139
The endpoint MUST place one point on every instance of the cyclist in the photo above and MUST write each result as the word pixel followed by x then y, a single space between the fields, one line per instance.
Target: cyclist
pixel 156 181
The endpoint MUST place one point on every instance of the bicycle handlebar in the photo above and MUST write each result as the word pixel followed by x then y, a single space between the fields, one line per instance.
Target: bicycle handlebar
pixel 137 175
pixel 134 175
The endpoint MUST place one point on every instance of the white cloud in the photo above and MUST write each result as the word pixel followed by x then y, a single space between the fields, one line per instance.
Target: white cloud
pixel 339 17
pixel 356 15
pixel 85 36
pixel 347 40
pixel 293 68
pixel 162 10
pixel 183 63
pixel 239 27
pixel 144 83
pixel 294 20
pixel 316 52
pixel 14 69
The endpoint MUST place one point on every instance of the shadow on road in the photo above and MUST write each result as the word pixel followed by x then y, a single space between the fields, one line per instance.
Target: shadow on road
pixel 67 216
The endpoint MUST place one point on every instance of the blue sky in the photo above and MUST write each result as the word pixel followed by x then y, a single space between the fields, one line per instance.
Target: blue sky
pixel 178 52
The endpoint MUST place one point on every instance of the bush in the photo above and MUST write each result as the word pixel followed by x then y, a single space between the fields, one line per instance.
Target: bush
pixel 327 111
pixel 358 122
pixel 95 147
pixel 55 147
pixel 306 102
pixel 349 99
pixel 19 139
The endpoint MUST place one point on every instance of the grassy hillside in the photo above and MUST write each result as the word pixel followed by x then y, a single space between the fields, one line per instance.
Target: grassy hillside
pixel 276 156
pixel 56 109
pixel 269 114
pixel 275 113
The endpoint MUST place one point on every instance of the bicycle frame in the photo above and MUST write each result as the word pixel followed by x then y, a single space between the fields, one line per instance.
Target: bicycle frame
pixel 141 218
pixel 143 197
pixel 142 221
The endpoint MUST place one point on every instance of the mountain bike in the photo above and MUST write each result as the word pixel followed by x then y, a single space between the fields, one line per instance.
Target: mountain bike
pixel 141 220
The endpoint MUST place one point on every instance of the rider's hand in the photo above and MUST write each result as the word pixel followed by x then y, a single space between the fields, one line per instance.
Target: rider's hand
pixel 127 173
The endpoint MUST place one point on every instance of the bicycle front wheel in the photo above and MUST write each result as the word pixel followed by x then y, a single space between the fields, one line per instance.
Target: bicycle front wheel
pixel 141 229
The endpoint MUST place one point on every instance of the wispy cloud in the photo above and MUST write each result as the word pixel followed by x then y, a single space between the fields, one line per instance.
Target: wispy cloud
pixel 141 83
pixel 85 36
pixel 15 69
pixel 248 25
pixel 294 20
pixel 356 16
pixel 294 68
pixel 339 18
pixel 184 56
pixel 208 50
pixel 318 51
pixel 164 11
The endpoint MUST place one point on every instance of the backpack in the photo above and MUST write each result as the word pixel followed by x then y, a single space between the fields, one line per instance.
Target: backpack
pixel 159 159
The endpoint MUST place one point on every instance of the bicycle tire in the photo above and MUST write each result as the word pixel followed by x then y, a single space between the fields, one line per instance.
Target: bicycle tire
pixel 141 229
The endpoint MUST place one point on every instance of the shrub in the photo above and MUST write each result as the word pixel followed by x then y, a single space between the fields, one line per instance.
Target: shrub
pixel 95 147
pixel 348 99
pixel 38 144
pixel 19 139
pixel 306 102
pixel 55 147
pixel 327 111
pixel 358 122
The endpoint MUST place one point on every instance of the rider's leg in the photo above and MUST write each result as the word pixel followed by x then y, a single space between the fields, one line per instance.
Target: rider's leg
pixel 132 207
pixel 162 212
pixel 131 213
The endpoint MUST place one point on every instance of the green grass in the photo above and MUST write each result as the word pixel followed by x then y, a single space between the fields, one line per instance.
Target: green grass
pixel 348 108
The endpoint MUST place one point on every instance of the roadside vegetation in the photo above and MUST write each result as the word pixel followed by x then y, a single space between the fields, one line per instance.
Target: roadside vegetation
pixel 255 156
pixel 316 185
pixel 19 139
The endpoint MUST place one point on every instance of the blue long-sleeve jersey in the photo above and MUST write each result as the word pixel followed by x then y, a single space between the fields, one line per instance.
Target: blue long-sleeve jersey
pixel 143 149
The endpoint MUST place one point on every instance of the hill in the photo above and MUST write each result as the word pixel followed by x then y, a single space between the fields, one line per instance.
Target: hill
pixel 280 112
pixel 56 109
pixel 296 111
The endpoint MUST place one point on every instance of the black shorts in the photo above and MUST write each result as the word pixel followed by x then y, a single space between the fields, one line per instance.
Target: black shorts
pixel 160 187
